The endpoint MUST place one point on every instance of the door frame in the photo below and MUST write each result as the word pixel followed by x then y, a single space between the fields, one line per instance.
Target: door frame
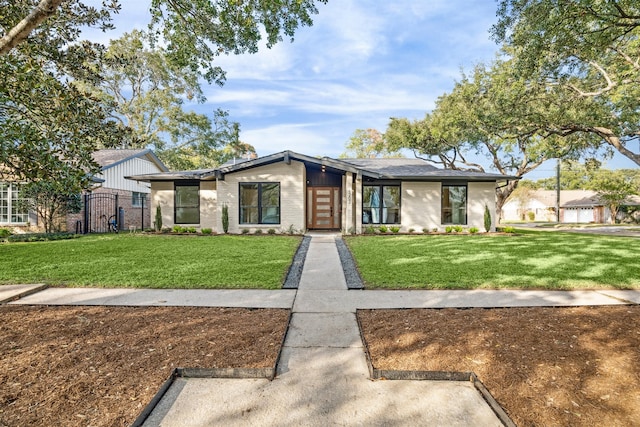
pixel 336 211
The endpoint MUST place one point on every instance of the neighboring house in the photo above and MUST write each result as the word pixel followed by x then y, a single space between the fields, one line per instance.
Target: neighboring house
pixel 576 206
pixel 287 190
pixel 113 192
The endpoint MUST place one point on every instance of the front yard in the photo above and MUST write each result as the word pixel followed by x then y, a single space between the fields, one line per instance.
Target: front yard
pixel 151 261
pixel 536 260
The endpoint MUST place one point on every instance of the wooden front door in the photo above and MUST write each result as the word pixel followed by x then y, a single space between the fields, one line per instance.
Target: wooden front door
pixel 323 208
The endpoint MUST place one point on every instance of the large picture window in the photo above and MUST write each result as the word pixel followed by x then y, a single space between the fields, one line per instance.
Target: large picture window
pixel 454 204
pixel 259 203
pixel 381 204
pixel 187 203
pixel 13 209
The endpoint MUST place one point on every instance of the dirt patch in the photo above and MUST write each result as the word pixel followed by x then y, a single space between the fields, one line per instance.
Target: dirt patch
pixel 99 366
pixel 545 366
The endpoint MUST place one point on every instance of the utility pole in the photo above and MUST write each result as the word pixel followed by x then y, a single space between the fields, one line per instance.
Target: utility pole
pixel 558 191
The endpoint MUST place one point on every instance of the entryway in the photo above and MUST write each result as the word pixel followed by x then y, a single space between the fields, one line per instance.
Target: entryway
pixel 323 208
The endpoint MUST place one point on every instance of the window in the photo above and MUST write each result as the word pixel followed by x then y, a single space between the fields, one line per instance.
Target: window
pixel 454 204
pixel 187 203
pixel 260 203
pixel 13 208
pixel 138 199
pixel 381 204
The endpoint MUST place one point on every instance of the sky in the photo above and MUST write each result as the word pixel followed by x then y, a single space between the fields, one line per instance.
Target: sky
pixel 361 63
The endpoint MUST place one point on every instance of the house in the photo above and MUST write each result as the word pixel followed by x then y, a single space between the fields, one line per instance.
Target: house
pixel 576 206
pixel 113 195
pixel 292 191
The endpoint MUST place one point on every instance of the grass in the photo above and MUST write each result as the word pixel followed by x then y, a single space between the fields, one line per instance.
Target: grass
pixel 150 261
pixel 536 260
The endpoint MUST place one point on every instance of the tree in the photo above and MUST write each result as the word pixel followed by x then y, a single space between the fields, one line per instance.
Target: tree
pixel 613 188
pixel 368 143
pixel 494 114
pixel 146 94
pixel 48 123
pixel 587 50
pixel 52 199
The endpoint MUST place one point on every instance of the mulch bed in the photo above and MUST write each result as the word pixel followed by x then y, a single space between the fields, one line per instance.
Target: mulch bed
pixel 545 366
pixel 100 366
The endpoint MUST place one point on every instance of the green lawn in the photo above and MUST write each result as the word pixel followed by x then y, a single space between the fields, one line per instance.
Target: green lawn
pixel 536 260
pixel 151 261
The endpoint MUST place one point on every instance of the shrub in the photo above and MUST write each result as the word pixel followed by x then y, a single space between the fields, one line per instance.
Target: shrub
pixel 434 229
pixel 178 229
pixel 245 231
pixel 369 229
pixel 4 233
pixel 271 231
pixel 458 228
pixel 394 229
pixel 531 215
pixel 291 230
pixel 473 230
pixel 411 230
pixel 487 219
pixel 225 218
pixel 425 230
pixel 383 228
pixel 191 230
pixel 448 229
pixel 258 231
pixel 509 229
pixel 206 231
pixel 41 237
pixel 157 224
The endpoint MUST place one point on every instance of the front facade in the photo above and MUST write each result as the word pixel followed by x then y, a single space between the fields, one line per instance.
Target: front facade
pixel 293 192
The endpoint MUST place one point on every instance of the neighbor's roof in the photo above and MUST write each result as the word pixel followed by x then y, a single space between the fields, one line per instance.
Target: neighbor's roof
pixel 111 158
pixel 575 198
pixel 378 168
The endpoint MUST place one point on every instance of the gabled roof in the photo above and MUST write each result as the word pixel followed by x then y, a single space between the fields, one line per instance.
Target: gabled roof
pixel 378 168
pixel 110 158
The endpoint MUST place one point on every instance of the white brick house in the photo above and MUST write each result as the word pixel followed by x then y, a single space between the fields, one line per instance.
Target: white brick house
pixel 291 190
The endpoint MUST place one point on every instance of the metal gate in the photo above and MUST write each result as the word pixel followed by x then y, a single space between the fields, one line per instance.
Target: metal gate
pixel 100 210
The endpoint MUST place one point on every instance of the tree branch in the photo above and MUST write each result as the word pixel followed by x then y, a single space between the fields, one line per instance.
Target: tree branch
pixel 21 31
pixel 610 83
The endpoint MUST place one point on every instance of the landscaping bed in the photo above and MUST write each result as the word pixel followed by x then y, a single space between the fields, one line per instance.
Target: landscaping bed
pixel 545 366
pixel 100 366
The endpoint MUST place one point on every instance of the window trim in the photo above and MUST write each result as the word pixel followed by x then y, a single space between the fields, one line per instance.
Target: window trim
pixel 141 196
pixel 381 185
pixel 10 200
pixel 259 184
pixel 175 199
pixel 465 185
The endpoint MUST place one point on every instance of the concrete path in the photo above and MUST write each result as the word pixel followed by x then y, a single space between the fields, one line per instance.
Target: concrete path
pixel 322 377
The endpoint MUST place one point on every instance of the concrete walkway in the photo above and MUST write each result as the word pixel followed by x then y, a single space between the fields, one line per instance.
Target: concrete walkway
pixel 322 377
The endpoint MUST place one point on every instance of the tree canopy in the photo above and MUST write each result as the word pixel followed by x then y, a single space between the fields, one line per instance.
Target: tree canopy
pixel 585 48
pixel 368 143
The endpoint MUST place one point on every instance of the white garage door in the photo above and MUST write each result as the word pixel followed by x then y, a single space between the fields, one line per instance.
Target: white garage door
pixel 585 215
pixel 570 215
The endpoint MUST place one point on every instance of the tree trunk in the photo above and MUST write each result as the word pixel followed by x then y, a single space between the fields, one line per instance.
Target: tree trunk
pixel 502 194
pixel 614 140
pixel 21 31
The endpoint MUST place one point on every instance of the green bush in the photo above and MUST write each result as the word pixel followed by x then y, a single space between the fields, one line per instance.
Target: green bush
pixel 531 215
pixel 369 229
pixel 425 230
pixel 383 228
pixel 271 231
pixel 487 219
pixel 41 237
pixel 473 230
pixel 448 229
pixel 508 229
pixel 434 229
pixel 394 229
pixel 157 224
pixel 458 228
pixel 178 229
pixel 206 231
pixel 258 231
pixel 412 230
pixel 225 218
pixel 245 231
pixel 191 230
pixel 4 233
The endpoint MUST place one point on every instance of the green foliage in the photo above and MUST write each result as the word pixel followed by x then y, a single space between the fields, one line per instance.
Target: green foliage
pixel 508 229
pixel 258 231
pixel 487 219
pixel 383 228
pixel 458 228
pixel 614 188
pixel 225 218
pixel 369 229
pixel 412 230
pixel 271 231
pixel 53 199
pixel 206 231
pixel 531 215
pixel 448 229
pixel 473 230
pixel 367 144
pixel 157 224
pixel 291 230
pixel 191 230
pixel 123 261
pixel 245 231
pixel 178 229
pixel 425 230
pixel 4 233
pixel 41 237
pixel 394 229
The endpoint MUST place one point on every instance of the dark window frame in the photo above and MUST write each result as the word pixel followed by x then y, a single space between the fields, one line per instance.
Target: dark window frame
pixel 137 198
pixel 466 203
pixel 175 200
pixel 260 206
pixel 381 185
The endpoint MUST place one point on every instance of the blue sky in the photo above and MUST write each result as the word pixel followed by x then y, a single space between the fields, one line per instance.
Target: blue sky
pixel 362 62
